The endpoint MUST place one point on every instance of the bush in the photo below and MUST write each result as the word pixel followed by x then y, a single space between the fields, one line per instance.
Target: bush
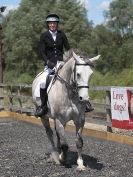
pixel 25 78
pixel 123 79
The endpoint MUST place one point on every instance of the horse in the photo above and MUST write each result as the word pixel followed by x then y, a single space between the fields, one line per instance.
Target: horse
pixel 67 99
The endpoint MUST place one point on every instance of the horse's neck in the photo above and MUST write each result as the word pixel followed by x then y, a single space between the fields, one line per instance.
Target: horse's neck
pixel 67 70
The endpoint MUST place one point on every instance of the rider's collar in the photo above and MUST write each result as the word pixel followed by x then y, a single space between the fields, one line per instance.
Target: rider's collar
pixel 53 32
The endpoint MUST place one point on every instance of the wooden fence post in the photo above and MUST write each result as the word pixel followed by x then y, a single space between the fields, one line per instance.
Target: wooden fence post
pixel 108 111
pixel 10 98
pixel 1 98
pixel 19 98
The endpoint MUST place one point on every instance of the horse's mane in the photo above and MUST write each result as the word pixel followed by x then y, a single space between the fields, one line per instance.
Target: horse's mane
pixel 81 53
pixel 67 64
pixel 78 52
pixel 68 55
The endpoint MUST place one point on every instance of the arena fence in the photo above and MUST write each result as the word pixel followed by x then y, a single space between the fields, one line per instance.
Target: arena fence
pixel 17 98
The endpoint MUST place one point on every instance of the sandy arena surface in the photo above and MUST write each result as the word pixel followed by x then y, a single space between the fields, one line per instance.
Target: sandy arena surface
pixel 24 148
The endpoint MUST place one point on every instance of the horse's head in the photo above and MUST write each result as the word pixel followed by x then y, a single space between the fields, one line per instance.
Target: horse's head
pixel 82 74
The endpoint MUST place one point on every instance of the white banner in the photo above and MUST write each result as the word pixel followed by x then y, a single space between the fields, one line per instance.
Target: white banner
pixel 119 104
pixel 121 108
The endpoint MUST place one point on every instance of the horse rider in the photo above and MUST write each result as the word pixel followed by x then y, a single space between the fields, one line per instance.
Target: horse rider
pixel 51 46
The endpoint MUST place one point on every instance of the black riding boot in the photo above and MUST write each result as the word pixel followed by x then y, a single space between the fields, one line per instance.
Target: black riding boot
pixel 89 107
pixel 42 110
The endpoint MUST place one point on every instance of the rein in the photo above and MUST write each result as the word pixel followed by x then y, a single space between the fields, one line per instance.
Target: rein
pixel 73 88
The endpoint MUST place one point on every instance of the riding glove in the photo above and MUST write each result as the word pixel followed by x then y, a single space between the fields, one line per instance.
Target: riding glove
pixel 50 64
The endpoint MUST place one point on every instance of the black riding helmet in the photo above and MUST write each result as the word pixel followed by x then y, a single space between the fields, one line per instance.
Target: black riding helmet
pixel 52 18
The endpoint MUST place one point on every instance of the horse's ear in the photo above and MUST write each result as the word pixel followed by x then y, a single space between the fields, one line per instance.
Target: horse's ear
pixel 75 56
pixel 92 60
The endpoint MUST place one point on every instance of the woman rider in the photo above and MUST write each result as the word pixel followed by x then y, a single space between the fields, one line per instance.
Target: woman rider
pixel 52 45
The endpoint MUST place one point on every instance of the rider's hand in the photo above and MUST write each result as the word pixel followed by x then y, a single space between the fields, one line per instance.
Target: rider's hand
pixel 50 64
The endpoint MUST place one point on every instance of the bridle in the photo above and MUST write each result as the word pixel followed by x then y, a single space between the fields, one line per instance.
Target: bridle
pixel 74 87
pixel 75 81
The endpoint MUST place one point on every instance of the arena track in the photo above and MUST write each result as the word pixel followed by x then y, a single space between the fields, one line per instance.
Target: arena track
pixel 24 148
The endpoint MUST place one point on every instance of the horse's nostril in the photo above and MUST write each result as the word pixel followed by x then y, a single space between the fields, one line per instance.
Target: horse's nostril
pixel 80 98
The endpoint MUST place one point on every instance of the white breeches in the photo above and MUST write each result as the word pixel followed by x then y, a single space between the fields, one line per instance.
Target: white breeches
pixel 48 71
pixel 43 79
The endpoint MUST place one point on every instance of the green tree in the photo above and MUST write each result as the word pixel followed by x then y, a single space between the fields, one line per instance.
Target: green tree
pixel 114 39
pixel 24 26
pixel 120 17
pixel 75 23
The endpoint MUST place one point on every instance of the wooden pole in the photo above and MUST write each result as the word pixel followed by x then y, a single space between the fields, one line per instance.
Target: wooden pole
pixel 20 99
pixel 1 98
pixel 1 68
pixel 108 111
pixel 2 9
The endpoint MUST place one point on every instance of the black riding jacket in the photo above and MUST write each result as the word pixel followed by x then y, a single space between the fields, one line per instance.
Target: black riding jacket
pixel 51 50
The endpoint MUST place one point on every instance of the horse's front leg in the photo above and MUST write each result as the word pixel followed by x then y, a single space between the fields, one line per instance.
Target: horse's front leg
pixel 79 143
pixel 54 154
pixel 61 141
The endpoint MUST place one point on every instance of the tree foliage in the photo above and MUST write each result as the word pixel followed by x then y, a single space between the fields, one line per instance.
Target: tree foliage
pixel 113 40
pixel 24 26
pixel 120 17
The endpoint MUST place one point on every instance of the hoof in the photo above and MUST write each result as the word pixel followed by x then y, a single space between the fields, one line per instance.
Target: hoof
pixel 63 159
pixel 81 168
pixel 55 157
pixel 50 159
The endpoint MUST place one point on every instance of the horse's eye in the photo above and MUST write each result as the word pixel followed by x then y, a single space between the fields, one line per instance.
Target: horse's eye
pixel 78 75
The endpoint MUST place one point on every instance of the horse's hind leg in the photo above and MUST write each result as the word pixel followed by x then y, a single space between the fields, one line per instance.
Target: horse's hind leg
pixel 61 140
pixel 58 141
pixel 54 155
pixel 79 144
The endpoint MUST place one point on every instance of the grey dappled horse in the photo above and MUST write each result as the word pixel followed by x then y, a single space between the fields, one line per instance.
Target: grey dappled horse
pixel 67 99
